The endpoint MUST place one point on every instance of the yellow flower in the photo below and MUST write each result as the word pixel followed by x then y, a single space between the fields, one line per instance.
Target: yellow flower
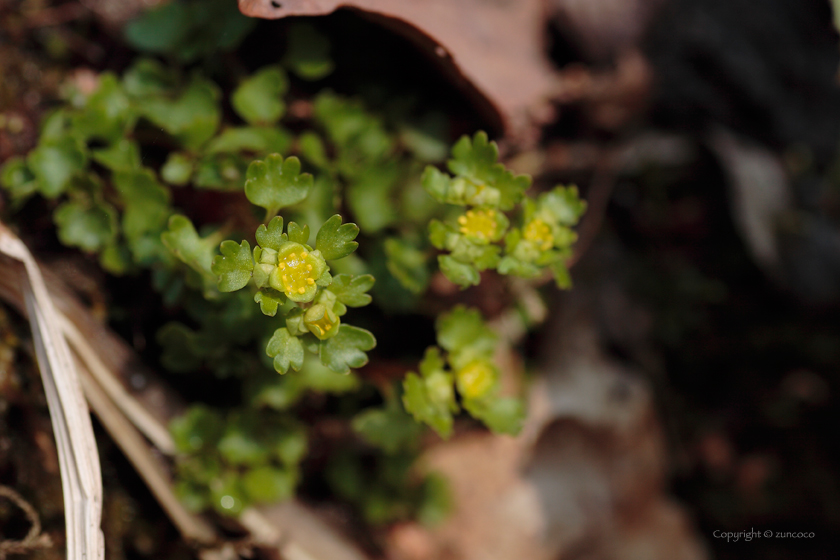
pixel 539 232
pixel 321 321
pixel 475 379
pixel 297 272
pixel 482 225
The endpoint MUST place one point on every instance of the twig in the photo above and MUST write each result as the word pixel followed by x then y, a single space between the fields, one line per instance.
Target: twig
pixel 81 478
pixel 133 410
pixel 33 539
pixel 138 452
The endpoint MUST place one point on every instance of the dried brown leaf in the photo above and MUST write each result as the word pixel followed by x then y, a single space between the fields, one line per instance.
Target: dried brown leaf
pixel 494 48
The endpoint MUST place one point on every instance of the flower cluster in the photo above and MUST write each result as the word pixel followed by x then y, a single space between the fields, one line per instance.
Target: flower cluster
pixel 293 277
pixel 471 239
pixel 464 361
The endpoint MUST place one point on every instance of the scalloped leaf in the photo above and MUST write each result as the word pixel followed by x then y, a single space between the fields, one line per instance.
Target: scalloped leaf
pixel 276 183
pixel 463 274
pixel 297 233
pixel 347 349
pixel 352 290
pixel 270 301
pixel 286 350
pixel 335 240
pixel 258 100
pixel 192 118
pixel 234 266
pixel 193 250
pixel 462 328
pixel 53 164
pixel 503 415
pixel 88 226
pixel 146 201
pixel 426 405
pixel 272 236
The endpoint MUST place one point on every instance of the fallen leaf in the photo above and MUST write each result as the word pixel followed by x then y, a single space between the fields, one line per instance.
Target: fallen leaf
pixel 494 48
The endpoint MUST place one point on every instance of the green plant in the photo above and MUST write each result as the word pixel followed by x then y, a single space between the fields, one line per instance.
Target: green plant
pixel 128 170
pixel 468 346
pixel 471 240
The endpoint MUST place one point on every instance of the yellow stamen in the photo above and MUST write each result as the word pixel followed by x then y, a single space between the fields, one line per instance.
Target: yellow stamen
pixel 480 224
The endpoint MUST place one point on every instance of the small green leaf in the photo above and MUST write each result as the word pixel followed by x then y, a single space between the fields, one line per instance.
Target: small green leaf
pixel 252 139
pixel 290 446
pixel 185 243
pixel 160 29
pixel 436 183
pixel 258 99
pixel 318 377
pixel 477 161
pixel 122 155
pixel 425 402
pixel 234 266
pixel 307 53
pixel 335 240
pixel 462 328
pixel 564 204
pixel 347 349
pixel 432 361
pixel 439 234
pixel 192 118
pixel 561 275
pixel 272 236
pixel 503 415
pixel 239 446
pixel 276 183
pixel 87 226
pixel 55 163
pixel 463 274
pixel 298 234
pixel 115 258
pixel 312 149
pixel 480 180
pixel 17 178
pixel 148 77
pixel 516 267
pixel 269 300
pixel 268 484
pixel 200 428
pixel 221 171
pixel 370 196
pixel 187 30
pixel 146 202
pixel 107 114
pixel 178 169
pixel 408 264
pixel 389 428
pixel 474 158
pixel 351 290
pixel 286 350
